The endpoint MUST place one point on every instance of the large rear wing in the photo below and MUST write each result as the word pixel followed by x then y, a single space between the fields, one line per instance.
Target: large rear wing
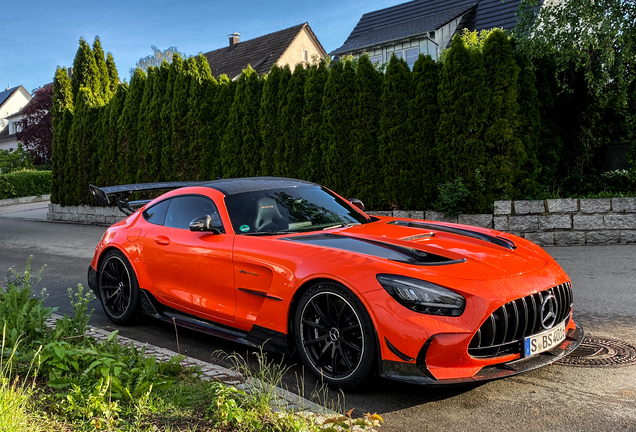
pixel 122 192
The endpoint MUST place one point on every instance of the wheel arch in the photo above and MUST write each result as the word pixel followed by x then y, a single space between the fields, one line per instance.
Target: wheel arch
pixel 294 305
pixel 107 249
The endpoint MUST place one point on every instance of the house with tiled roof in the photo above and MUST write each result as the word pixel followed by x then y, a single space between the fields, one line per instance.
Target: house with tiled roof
pixel 290 46
pixel 423 26
pixel 12 100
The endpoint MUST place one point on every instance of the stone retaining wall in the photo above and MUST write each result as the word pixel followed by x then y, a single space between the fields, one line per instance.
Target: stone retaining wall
pixel 553 222
pixel 84 214
pixel 564 222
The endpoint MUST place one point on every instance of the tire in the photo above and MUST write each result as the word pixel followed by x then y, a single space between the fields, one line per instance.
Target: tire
pixel 118 288
pixel 334 335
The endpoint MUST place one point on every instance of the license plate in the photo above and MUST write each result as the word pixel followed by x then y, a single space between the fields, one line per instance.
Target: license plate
pixel 544 341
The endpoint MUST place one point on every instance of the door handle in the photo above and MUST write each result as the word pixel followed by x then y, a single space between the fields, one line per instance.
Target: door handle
pixel 162 240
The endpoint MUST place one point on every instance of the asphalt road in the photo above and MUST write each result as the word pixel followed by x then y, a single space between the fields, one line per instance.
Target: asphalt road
pixel 556 398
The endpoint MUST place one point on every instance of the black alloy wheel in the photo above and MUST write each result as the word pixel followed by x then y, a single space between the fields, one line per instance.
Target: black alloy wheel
pixel 118 288
pixel 334 335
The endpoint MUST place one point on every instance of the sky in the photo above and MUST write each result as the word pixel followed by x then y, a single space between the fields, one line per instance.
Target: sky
pixel 38 36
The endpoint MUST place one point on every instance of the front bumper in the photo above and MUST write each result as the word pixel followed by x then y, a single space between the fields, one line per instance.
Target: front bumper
pixel 417 373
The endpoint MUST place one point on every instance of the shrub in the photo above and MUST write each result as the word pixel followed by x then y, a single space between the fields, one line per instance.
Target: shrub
pixel 21 314
pixel 16 160
pixel 452 197
pixel 25 183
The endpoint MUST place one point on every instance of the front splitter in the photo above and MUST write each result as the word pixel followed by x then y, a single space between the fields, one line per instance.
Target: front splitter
pixel 411 373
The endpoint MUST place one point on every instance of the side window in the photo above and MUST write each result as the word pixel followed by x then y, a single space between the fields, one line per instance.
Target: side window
pixel 184 209
pixel 157 213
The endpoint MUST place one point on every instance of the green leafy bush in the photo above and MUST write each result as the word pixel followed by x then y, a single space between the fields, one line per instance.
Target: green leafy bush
pixel 21 314
pixel 25 183
pixel 613 182
pixel 452 197
pixel 16 160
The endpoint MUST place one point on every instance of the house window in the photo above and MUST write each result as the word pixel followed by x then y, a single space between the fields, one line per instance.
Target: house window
pixel 376 59
pixel 305 56
pixel 411 56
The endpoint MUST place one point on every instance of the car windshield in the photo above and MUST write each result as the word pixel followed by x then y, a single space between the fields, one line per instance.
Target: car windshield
pixel 289 210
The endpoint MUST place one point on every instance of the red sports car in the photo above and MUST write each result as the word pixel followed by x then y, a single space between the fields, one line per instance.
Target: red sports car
pixel 292 266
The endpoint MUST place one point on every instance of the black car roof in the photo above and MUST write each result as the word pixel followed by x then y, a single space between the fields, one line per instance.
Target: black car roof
pixel 253 184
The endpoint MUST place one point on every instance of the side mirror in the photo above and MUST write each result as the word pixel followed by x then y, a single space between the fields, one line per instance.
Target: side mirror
pixel 204 223
pixel 356 202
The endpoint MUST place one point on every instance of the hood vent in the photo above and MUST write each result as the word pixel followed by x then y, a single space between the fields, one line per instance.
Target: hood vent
pixel 375 248
pixel 499 241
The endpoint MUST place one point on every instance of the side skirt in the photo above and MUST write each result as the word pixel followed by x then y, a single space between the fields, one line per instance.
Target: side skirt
pixel 258 336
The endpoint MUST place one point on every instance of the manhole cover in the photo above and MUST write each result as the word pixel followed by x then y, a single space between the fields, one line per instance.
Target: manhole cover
pixel 600 352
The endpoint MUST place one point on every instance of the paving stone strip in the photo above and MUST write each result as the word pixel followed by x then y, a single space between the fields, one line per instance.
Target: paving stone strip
pixel 286 399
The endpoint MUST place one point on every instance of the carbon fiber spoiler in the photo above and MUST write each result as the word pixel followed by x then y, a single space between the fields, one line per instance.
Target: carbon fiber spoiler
pixel 122 192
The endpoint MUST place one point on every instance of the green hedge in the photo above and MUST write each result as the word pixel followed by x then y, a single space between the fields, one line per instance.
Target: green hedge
pixel 482 117
pixel 25 183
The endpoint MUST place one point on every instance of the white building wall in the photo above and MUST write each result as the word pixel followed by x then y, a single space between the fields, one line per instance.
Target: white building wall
pixel 15 103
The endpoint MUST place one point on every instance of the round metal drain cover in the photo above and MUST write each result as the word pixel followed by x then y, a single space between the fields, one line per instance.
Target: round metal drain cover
pixel 600 352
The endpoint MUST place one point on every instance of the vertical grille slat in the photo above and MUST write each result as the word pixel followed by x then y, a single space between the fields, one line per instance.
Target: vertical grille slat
pixel 560 296
pixel 533 318
pixel 525 317
pixel 493 326
pixel 504 330
pixel 515 320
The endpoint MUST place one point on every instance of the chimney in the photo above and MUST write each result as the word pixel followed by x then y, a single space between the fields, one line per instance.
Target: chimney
pixel 234 39
pixel 69 71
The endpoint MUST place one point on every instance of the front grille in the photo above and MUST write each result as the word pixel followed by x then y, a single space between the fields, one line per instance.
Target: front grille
pixel 504 330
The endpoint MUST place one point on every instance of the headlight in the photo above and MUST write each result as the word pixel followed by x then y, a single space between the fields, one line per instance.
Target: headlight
pixel 422 296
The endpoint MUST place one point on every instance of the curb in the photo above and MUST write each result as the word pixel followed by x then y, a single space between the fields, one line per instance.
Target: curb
pixel 24 200
pixel 288 400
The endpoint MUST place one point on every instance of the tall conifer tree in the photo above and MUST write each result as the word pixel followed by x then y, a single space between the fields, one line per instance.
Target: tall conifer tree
pixel 109 156
pixel 552 136
pixel 232 143
pixel 102 84
pixel 220 118
pixel 269 122
pixel 423 119
pixel 113 76
pixel 251 142
pixel 203 102
pixel 154 129
pixel 281 99
pixel 62 112
pixel 529 126
pixel 311 151
pixel 292 117
pixel 338 119
pixel 144 157
pixel 395 144
pixel 463 100
pixel 180 108
pixel 364 137
pixel 81 147
pixel 167 166
pixel 85 72
pixel 128 128
pixel 505 147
